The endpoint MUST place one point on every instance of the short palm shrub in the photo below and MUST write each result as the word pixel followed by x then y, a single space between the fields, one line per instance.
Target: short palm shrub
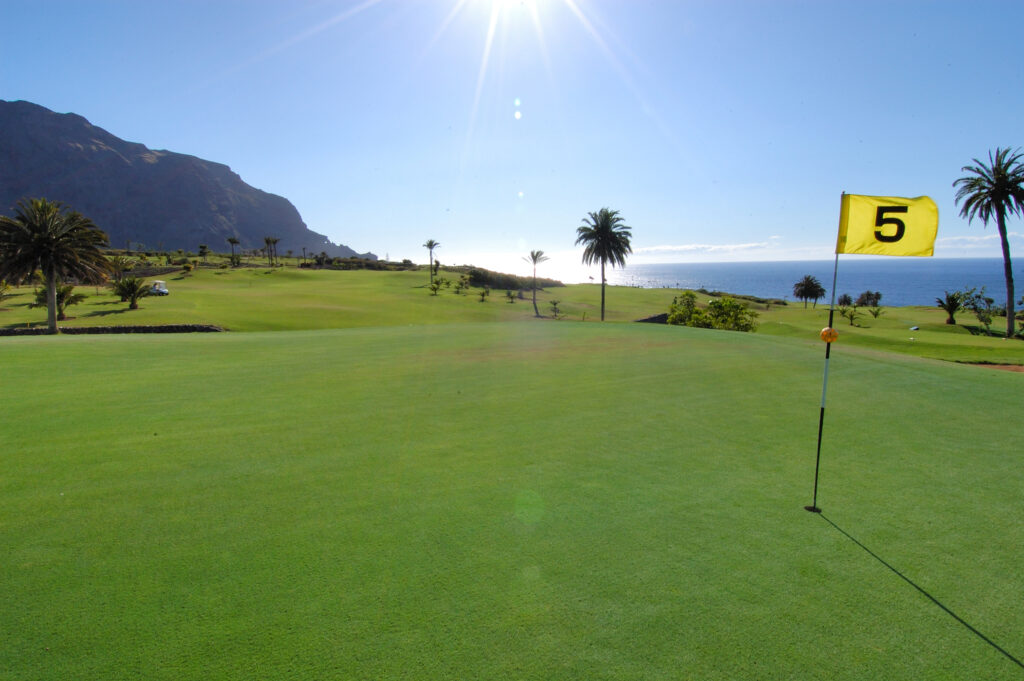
pixel 131 289
pixel 66 297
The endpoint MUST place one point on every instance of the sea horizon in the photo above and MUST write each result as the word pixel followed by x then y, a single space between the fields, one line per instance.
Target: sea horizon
pixel 902 281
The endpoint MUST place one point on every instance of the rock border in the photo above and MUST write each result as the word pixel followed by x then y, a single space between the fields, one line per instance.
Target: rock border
pixel 72 330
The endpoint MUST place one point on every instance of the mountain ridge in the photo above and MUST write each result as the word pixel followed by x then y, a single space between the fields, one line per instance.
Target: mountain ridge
pixel 154 197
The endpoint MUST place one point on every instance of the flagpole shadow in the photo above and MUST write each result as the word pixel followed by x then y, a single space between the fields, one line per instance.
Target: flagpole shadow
pixel 927 595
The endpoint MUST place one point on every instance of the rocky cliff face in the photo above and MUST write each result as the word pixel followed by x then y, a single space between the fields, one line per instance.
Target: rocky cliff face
pixel 140 195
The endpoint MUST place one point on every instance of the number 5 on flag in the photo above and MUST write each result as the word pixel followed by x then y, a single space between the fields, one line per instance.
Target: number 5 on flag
pixel 887 225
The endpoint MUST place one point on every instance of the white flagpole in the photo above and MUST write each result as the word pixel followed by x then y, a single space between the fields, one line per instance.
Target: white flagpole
pixel 813 508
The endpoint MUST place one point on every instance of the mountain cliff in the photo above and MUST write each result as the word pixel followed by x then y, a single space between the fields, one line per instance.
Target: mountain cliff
pixel 139 195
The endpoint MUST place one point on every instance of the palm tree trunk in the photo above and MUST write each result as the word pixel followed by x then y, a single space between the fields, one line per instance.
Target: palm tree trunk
pixel 536 313
pixel 602 290
pixel 430 265
pixel 51 301
pixel 1007 272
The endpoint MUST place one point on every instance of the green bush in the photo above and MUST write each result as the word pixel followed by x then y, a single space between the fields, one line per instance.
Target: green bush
pixel 684 312
pixel 732 315
pixel 726 313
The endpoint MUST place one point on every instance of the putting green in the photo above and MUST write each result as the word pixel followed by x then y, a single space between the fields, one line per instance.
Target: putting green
pixel 535 500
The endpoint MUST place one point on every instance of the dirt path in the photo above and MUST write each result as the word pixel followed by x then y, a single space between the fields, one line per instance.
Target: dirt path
pixel 1019 368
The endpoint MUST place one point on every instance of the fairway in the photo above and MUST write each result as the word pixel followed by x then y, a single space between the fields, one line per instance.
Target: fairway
pixel 503 500
pixel 293 299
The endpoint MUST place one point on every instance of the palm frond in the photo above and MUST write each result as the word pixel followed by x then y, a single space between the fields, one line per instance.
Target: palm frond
pixel 42 235
pixel 605 238
pixel 992 189
pixel 536 257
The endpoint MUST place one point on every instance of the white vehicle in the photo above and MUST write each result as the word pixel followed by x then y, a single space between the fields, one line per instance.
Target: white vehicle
pixel 159 288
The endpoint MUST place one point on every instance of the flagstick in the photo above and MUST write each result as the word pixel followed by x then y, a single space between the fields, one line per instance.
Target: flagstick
pixel 813 508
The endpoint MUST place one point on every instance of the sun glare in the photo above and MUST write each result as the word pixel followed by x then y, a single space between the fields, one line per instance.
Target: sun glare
pixel 498 18
pixel 502 12
pixel 513 4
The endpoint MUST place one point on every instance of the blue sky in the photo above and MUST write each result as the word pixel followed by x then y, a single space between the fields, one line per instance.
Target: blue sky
pixel 721 130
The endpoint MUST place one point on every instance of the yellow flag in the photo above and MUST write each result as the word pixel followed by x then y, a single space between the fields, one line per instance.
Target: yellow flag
pixel 887 225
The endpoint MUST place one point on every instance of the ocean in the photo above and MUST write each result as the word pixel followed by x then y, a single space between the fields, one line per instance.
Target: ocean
pixel 901 281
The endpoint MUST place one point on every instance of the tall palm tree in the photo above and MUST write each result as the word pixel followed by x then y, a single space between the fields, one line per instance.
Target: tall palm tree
pixel 996 189
pixel 430 246
pixel 535 258
pixel 44 235
pixel 273 249
pixel 234 242
pixel 807 288
pixel 606 240
pixel 268 241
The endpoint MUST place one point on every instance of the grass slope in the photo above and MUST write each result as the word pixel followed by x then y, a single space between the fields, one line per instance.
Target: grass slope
pixel 522 500
pixel 892 332
pixel 288 299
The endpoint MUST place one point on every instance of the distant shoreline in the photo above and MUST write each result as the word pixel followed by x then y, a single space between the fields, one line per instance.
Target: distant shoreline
pixel 902 281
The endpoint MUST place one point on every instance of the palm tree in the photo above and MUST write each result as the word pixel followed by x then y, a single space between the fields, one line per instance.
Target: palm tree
pixel 204 251
pixel 273 249
pixel 63 244
pixel 607 241
pixel 808 288
pixel 65 298
pixel 130 289
pixel 430 246
pixel 119 264
pixel 535 258
pixel 268 242
pixel 996 189
pixel 952 303
pixel 234 242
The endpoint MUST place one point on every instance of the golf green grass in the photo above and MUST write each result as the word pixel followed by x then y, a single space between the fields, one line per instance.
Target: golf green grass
pixel 517 500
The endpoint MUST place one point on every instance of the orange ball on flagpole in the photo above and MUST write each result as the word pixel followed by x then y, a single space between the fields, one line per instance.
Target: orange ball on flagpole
pixel 828 334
